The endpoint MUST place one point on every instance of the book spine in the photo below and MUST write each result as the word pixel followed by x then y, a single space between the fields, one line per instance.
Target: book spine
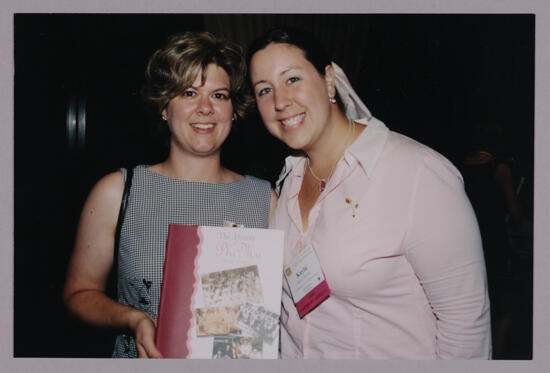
pixel 176 313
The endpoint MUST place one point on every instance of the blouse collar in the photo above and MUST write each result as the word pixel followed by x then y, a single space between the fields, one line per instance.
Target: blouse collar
pixel 366 150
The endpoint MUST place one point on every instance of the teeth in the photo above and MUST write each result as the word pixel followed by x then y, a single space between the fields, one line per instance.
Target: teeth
pixel 202 126
pixel 291 122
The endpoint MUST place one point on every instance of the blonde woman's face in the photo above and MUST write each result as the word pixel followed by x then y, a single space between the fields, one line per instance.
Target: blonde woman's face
pixel 200 118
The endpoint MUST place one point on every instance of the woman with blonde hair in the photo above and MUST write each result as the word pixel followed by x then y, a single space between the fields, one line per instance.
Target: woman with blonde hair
pixel 197 84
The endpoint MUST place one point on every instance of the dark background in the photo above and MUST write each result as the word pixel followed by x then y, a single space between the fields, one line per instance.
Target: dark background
pixel 431 77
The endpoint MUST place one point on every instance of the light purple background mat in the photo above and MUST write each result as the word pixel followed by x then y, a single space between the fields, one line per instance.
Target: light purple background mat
pixel 541 345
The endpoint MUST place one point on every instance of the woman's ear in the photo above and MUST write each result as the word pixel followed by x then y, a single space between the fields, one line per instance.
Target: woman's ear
pixel 163 114
pixel 329 80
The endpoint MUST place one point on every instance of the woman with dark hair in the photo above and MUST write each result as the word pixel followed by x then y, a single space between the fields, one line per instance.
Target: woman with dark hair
pixel 197 84
pixel 386 218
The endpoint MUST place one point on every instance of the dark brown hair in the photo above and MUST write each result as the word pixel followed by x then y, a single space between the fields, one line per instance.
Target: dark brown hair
pixel 314 52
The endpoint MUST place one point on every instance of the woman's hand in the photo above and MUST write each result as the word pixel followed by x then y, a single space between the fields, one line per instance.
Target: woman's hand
pixel 144 327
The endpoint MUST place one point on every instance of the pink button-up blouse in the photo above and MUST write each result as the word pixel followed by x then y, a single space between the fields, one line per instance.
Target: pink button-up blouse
pixel 400 247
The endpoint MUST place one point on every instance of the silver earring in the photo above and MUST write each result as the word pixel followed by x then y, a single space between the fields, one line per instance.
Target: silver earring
pixel 332 100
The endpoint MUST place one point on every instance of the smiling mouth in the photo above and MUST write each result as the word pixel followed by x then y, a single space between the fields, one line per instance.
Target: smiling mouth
pixel 203 126
pixel 293 121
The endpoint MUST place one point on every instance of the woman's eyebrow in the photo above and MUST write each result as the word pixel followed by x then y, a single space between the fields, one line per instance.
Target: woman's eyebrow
pixel 280 74
pixel 215 89
pixel 259 82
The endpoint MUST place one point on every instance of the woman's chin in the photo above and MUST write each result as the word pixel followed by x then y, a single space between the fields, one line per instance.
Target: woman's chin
pixel 294 143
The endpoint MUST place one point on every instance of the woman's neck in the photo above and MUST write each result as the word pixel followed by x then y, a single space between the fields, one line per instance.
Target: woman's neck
pixel 193 168
pixel 330 149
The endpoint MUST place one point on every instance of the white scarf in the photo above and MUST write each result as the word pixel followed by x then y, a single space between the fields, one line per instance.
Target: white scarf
pixel 354 108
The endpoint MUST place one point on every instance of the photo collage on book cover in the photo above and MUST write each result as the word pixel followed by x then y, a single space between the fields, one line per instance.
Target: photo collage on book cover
pixel 234 315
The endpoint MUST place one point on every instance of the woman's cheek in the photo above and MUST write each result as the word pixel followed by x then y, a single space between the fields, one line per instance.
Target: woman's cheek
pixel 274 129
pixel 262 111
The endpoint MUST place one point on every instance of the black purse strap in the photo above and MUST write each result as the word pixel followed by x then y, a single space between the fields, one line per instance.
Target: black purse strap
pixel 120 221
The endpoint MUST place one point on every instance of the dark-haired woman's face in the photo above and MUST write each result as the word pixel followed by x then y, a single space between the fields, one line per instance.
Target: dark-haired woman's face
pixel 292 97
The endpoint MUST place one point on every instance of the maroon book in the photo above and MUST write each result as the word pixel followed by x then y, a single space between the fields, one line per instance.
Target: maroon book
pixel 213 276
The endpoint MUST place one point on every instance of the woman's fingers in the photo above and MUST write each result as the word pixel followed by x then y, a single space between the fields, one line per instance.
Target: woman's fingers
pixel 145 338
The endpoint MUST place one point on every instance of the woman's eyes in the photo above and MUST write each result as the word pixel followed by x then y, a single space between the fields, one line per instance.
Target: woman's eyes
pixel 216 95
pixel 221 96
pixel 263 91
pixel 267 90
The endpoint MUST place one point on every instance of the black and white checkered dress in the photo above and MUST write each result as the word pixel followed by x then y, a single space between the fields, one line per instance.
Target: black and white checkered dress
pixel 155 201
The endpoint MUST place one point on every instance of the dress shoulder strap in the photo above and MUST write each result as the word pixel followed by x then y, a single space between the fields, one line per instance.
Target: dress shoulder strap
pixel 127 175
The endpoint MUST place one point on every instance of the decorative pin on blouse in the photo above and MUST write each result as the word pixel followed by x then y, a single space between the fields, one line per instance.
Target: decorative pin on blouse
pixel 353 205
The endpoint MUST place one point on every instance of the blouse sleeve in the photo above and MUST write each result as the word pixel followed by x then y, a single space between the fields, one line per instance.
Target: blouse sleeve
pixel 444 248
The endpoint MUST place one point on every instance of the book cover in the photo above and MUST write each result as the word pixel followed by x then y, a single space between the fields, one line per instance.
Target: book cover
pixel 221 293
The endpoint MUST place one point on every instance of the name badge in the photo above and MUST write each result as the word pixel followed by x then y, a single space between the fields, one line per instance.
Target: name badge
pixel 306 281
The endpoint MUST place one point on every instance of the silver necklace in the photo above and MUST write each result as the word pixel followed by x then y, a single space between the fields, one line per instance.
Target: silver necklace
pixel 323 181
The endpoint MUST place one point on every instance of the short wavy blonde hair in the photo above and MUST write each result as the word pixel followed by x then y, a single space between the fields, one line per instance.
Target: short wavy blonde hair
pixel 173 68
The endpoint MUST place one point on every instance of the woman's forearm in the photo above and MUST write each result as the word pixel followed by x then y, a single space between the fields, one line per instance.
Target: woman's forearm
pixel 94 307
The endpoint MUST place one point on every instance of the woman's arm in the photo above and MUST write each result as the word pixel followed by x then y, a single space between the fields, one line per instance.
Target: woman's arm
pixel 503 177
pixel 444 249
pixel 91 263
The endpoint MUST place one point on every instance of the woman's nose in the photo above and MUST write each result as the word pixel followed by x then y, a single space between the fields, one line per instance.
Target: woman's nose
pixel 205 106
pixel 282 100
